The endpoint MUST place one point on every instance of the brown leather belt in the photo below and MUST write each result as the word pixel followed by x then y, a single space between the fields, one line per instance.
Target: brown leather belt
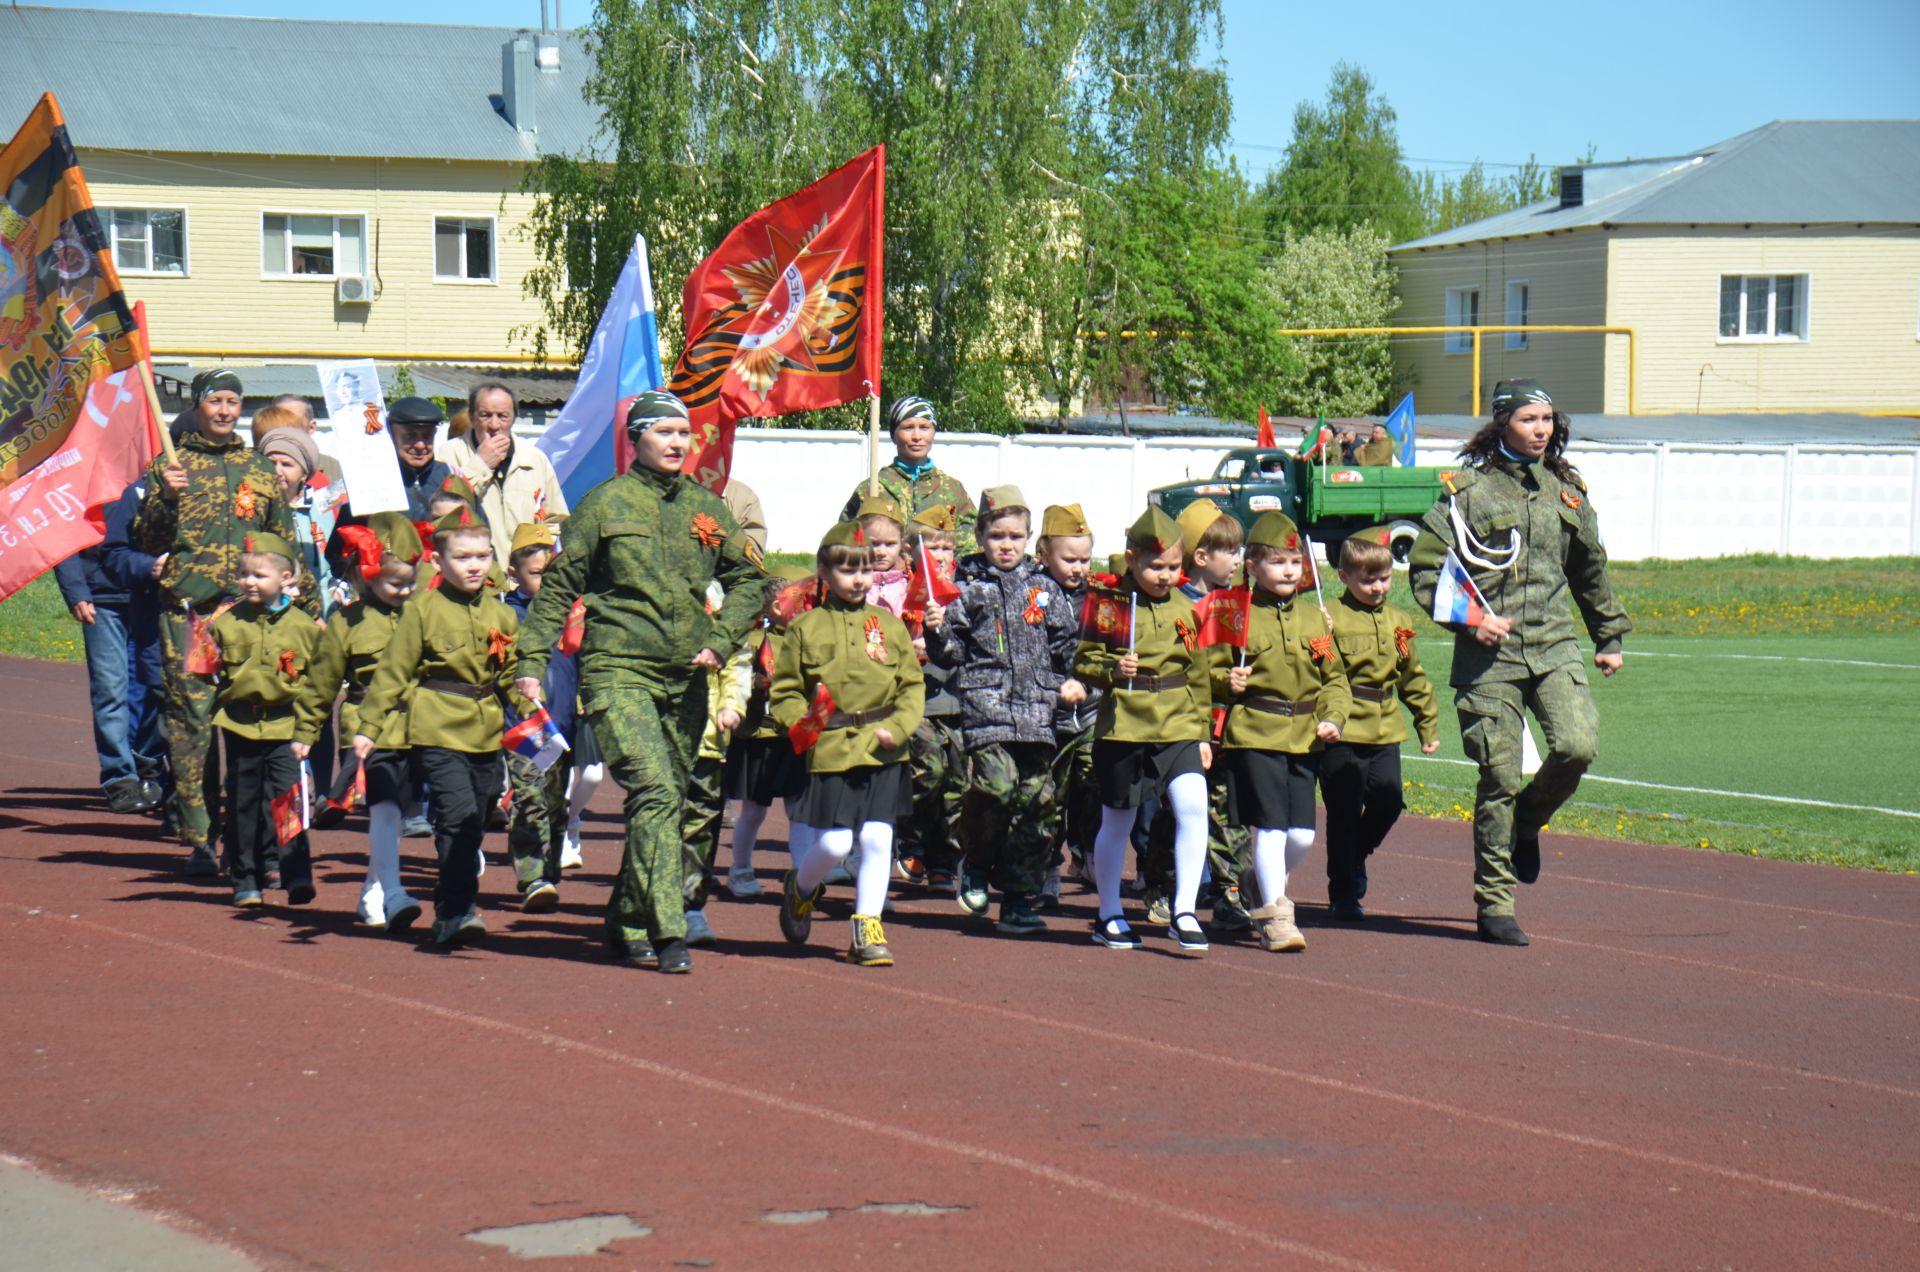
pixel 1275 706
pixel 856 719
pixel 459 689
pixel 1367 693
pixel 1156 684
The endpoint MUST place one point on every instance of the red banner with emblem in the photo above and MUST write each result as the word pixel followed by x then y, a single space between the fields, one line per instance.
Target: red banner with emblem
pixel 785 315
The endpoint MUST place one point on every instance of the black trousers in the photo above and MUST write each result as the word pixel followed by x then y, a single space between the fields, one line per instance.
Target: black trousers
pixel 466 787
pixel 257 774
pixel 1360 786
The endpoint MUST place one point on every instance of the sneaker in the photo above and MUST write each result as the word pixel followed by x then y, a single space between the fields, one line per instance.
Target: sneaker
pixel 301 892
pixel 1017 917
pixel 911 868
pixel 970 890
pixel 744 885
pixel 1049 898
pixel 271 880
pixel 371 912
pixel 671 956
pixel 201 863
pixel 570 858
pixel 1348 911
pixel 939 880
pixel 620 950
pixel 247 898
pixel 1160 911
pixel 1500 929
pixel 541 897
pixel 462 929
pixel 1526 855
pixel 402 913
pixel 869 948
pixel 1186 929
pixel 1278 932
pixel 796 911
pixel 152 794
pixel 127 795
pixel 330 813
pixel 416 828
pixel 1114 934
pixel 1229 913
pixel 699 931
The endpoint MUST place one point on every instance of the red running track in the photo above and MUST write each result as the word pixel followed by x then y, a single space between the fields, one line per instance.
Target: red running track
pixel 1702 1061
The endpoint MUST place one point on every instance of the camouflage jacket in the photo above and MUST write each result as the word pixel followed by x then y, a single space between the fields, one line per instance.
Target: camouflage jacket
pixel 1009 639
pixel 232 490
pixel 642 548
pixel 1559 557
pixel 916 494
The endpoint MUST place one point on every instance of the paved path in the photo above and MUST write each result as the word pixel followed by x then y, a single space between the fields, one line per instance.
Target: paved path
pixel 1702 1061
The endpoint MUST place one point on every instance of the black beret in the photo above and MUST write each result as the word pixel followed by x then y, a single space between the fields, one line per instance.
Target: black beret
pixel 414 410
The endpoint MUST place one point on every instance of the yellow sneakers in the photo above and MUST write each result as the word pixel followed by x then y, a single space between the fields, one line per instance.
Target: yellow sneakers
pixel 869 948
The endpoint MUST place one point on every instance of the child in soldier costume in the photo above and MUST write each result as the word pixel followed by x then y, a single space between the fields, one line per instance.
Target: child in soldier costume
pixel 761 764
pixel 1065 552
pixel 1360 774
pixel 270 721
pixel 929 849
pixel 537 809
pixel 454 649
pixel 727 693
pixel 911 480
pixel 1151 733
pixel 1519 520
pixel 1286 697
pixel 642 548
pixel 1010 639
pixel 381 555
pixel 884 526
pixel 848 669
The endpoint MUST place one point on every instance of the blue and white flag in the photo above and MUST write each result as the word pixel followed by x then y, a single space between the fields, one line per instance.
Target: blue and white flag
pixel 1399 424
pixel 1455 599
pixel 622 362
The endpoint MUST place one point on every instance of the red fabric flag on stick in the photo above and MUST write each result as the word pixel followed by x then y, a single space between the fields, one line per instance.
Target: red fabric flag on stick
pixel 808 728
pixel 929 586
pixel 785 315
pixel 1265 440
pixel 288 824
pixel 1223 615
pixel 1106 618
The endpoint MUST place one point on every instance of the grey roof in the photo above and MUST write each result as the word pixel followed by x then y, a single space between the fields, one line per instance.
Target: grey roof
pixel 1789 172
pixel 176 82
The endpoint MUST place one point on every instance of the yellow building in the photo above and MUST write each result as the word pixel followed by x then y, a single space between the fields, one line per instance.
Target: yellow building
pixel 284 191
pixel 1778 271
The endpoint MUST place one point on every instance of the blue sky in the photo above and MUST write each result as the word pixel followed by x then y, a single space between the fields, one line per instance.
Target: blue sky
pixel 1633 78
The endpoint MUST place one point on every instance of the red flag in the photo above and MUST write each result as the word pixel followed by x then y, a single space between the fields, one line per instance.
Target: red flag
pixel 1106 618
pixel 930 585
pixel 808 728
pixel 203 653
pixel 575 632
pixel 1265 440
pixel 287 825
pixel 785 315
pixel 1223 615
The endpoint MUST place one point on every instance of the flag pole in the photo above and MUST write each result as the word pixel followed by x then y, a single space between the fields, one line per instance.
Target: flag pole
pixel 146 382
pixel 873 443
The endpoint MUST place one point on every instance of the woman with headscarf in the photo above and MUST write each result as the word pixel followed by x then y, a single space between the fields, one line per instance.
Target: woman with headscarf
pixel 911 480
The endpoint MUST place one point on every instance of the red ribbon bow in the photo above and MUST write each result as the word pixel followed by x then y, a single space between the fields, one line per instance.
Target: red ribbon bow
pixel 1321 647
pixel 1187 633
pixel 708 531
pixel 287 668
pixel 498 643
pixel 1403 637
pixel 1035 613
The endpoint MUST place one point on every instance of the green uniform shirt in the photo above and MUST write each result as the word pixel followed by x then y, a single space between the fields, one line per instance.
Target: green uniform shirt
pixel 865 658
pixel 1369 642
pixel 266 665
pixel 1559 554
pixel 1377 453
pixel 1290 655
pixel 446 636
pixel 642 548
pixel 357 635
pixel 916 494
pixel 1166 638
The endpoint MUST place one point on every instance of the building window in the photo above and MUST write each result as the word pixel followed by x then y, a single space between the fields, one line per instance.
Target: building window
pixel 1763 306
pixel 463 249
pixel 303 245
pixel 147 240
pixel 1517 312
pixel 1463 310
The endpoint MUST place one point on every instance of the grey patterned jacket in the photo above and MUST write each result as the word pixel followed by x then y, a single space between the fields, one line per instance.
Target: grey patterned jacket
pixel 1009 638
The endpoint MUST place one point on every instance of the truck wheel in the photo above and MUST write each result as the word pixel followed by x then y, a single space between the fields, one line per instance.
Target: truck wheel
pixel 1400 543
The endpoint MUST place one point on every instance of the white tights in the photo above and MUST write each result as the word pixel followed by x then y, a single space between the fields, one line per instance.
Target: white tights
pixel 826 849
pixel 1187 795
pixel 581 786
pixel 1277 854
pixel 746 833
pixel 383 851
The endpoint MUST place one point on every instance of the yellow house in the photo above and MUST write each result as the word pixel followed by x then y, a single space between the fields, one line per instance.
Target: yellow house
pixel 1778 271
pixel 284 191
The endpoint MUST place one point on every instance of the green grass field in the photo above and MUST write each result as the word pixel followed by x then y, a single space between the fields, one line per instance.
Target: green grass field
pixel 1765 679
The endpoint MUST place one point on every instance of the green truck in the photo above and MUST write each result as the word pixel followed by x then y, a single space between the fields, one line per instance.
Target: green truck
pixel 1327 501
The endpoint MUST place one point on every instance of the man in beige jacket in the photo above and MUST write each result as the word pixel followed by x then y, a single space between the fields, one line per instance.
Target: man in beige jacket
pixel 515 484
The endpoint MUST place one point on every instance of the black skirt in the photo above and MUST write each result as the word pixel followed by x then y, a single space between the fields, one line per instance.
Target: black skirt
pixel 388 779
pixel 763 770
pixel 1271 790
pixel 876 793
pixel 1131 773
pixel 584 750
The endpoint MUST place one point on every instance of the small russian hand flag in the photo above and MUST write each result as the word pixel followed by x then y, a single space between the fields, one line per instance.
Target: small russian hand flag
pixel 535 738
pixel 1455 598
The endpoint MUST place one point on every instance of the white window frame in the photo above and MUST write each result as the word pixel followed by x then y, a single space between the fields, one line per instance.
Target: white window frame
pixel 1460 341
pixel 366 245
pixel 1803 336
pixel 1517 340
pixel 107 229
pixel 493 248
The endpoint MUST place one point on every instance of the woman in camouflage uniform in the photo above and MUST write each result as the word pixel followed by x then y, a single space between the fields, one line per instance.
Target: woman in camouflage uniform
pixel 1519 520
pixel 911 480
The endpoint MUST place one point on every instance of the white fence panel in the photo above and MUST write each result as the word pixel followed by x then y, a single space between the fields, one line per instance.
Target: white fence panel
pixel 1625 489
pixel 1718 503
pixel 1852 503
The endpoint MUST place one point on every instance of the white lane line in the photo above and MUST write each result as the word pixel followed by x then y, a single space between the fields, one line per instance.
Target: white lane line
pixel 1831 662
pixel 1707 790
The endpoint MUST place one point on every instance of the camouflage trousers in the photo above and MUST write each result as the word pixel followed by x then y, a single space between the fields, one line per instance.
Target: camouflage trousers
pixel 700 827
pixel 1008 815
pixel 1491 720
pixel 1078 796
pixel 536 818
pixel 187 714
pixel 1229 847
pixel 939 769
pixel 648 730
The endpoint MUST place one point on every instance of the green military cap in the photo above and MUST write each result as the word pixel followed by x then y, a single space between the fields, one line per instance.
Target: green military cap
pixel 461 518
pixel 1511 395
pixel 881 505
pixel 790 573
pixel 653 406
pixel 1382 535
pixel 934 517
pixel 1196 519
pixel 1063 521
pixel 1117 564
pixel 844 534
pixel 267 541
pixel 534 534
pixel 1157 528
pixel 397 535
pixel 414 410
pixel 461 487
pixel 1274 530
pixel 999 498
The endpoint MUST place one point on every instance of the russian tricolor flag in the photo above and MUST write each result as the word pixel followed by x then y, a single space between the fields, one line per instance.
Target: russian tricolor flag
pixel 535 738
pixel 1455 598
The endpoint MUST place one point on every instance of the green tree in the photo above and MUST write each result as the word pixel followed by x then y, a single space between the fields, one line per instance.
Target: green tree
pixel 1473 196
pixel 1334 278
pixel 1343 166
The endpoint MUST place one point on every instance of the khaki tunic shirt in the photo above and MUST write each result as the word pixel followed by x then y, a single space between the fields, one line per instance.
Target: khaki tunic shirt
pixel 1369 641
pixel 865 658
pixel 447 636
pixel 266 661
pixel 357 635
pixel 1166 638
pixel 1290 655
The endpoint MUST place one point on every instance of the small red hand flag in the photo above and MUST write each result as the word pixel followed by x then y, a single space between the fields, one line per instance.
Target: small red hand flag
pixel 808 728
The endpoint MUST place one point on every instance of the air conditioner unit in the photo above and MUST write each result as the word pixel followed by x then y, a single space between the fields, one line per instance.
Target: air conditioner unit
pixel 353 291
